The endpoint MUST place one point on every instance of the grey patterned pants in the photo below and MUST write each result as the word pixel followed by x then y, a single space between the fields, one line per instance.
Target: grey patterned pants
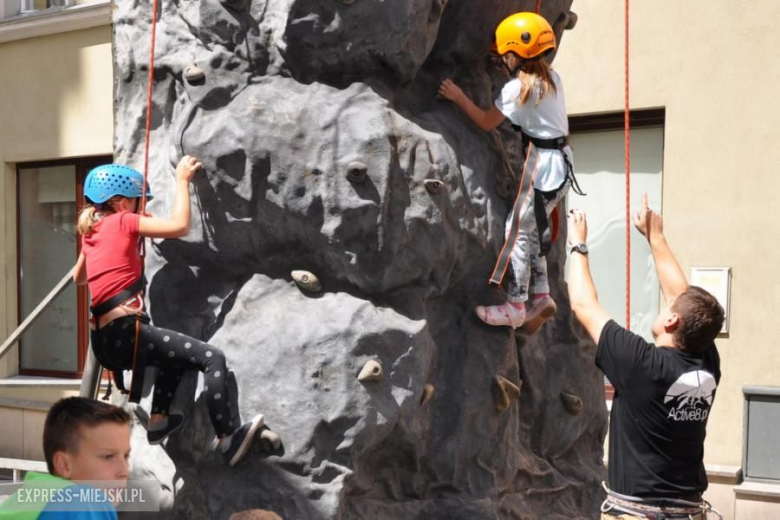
pixel 174 353
pixel 529 270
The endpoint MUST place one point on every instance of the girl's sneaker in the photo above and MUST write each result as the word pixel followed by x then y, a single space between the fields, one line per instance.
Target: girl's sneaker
pixel 540 310
pixel 157 436
pixel 504 315
pixel 235 446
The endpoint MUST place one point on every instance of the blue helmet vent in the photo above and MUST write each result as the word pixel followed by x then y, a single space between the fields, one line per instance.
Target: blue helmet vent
pixel 109 180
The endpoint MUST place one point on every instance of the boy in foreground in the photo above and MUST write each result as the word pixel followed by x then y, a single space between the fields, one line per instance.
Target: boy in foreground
pixel 83 440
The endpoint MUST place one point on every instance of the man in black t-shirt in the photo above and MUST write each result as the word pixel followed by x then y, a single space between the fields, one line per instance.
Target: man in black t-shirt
pixel 663 392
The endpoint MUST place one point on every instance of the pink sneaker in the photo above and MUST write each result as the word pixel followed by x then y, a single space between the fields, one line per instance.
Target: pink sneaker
pixel 505 315
pixel 540 311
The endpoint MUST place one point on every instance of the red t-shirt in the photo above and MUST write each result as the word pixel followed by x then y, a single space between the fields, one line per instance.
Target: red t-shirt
pixel 112 257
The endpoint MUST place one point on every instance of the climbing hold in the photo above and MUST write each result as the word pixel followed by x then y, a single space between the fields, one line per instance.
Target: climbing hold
pixel 428 391
pixel 193 74
pixel 573 18
pixel 236 5
pixel 357 172
pixel 433 185
pixel 505 392
pixel 572 403
pixel 307 281
pixel 372 371
pixel 270 440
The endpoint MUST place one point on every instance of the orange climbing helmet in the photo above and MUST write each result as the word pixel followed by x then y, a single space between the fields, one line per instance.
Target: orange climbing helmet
pixel 527 34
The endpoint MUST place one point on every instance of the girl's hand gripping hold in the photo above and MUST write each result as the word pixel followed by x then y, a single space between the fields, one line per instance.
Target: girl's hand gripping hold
pixel 449 90
pixel 187 167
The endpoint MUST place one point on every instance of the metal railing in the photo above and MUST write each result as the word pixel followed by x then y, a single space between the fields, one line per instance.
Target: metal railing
pixel 92 369
pixel 19 465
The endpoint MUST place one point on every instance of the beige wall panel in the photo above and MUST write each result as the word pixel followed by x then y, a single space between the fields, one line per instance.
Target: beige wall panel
pixel 59 96
pixel 58 93
pixel 720 494
pixel 760 508
pixel 8 296
pixel 6 173
pixel 11 433
pixel 40 394
pixel 709 65
pixel 33 434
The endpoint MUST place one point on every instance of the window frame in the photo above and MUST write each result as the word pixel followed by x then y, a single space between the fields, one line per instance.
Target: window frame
pixel 82 166
pixel 609 122
pixel 55 21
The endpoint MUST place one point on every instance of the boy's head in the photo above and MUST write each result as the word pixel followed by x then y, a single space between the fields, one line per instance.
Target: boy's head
pixel 84 439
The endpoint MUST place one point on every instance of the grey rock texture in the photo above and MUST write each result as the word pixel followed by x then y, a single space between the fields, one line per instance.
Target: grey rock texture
pixel 326 150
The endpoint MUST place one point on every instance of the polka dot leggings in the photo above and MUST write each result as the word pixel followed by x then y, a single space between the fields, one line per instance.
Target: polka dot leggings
pixel 174 353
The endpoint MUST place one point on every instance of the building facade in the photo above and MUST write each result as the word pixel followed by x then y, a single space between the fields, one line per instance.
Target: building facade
pixel 56 113
pixel 708 68
pixel 703 140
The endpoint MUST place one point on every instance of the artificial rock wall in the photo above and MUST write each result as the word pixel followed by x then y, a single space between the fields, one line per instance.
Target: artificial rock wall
pixel 326 149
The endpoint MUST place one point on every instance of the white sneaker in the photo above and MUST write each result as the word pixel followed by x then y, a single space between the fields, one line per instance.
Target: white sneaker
pixel 505 315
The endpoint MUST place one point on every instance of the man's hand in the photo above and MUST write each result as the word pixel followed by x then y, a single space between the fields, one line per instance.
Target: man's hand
pixel 670 275
pixel 578 227
pixel 449 90
pixel 187 167
pixel 647 221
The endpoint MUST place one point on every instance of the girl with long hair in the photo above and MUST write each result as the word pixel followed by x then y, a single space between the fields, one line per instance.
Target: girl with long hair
pixel 533 101
pixel 123 337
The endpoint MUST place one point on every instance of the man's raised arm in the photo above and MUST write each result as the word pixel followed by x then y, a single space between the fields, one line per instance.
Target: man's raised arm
pixel 582 292
pixel 670 275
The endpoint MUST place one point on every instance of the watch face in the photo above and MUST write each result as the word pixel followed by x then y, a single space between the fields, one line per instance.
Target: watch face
pixel 580 248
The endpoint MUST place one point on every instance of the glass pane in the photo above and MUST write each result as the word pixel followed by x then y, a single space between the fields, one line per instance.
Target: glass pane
pixel 47 235
pixel 600 169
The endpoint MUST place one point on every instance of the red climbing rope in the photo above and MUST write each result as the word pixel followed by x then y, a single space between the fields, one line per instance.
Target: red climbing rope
pixel 627 134
pixel 149 102
pixel 538 6
pixel 149 113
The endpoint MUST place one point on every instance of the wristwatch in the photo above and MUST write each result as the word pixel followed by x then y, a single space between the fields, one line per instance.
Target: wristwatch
pixel 580 248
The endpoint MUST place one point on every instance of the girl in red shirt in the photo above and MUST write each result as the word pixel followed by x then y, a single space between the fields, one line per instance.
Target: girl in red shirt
pixel 124 338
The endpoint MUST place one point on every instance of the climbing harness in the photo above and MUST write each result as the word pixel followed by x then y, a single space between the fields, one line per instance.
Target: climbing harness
pixel 555 143
pixel 523 197
pixel 546 230
pixel 127 302
pixel 135 292
pixel 656 509
pixel 532 145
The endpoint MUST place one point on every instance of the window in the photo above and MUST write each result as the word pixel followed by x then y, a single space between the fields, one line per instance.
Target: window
pixel 599 165
pixel 11 8
pixel 49 196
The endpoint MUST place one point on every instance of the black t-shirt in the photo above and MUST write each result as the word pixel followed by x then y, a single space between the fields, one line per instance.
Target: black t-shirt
pixel 663 397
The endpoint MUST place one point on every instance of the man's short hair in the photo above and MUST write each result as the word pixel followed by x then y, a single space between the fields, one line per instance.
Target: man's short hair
pixel 701 319
pixel 61 431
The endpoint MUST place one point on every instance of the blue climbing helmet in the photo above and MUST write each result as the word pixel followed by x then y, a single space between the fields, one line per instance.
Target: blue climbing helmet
pixel 109 180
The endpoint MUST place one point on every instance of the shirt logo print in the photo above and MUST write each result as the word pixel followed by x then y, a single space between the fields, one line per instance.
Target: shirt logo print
pixel 690 397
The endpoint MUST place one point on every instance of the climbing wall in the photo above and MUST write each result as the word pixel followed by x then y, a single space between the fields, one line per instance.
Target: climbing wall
pixel 326 151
